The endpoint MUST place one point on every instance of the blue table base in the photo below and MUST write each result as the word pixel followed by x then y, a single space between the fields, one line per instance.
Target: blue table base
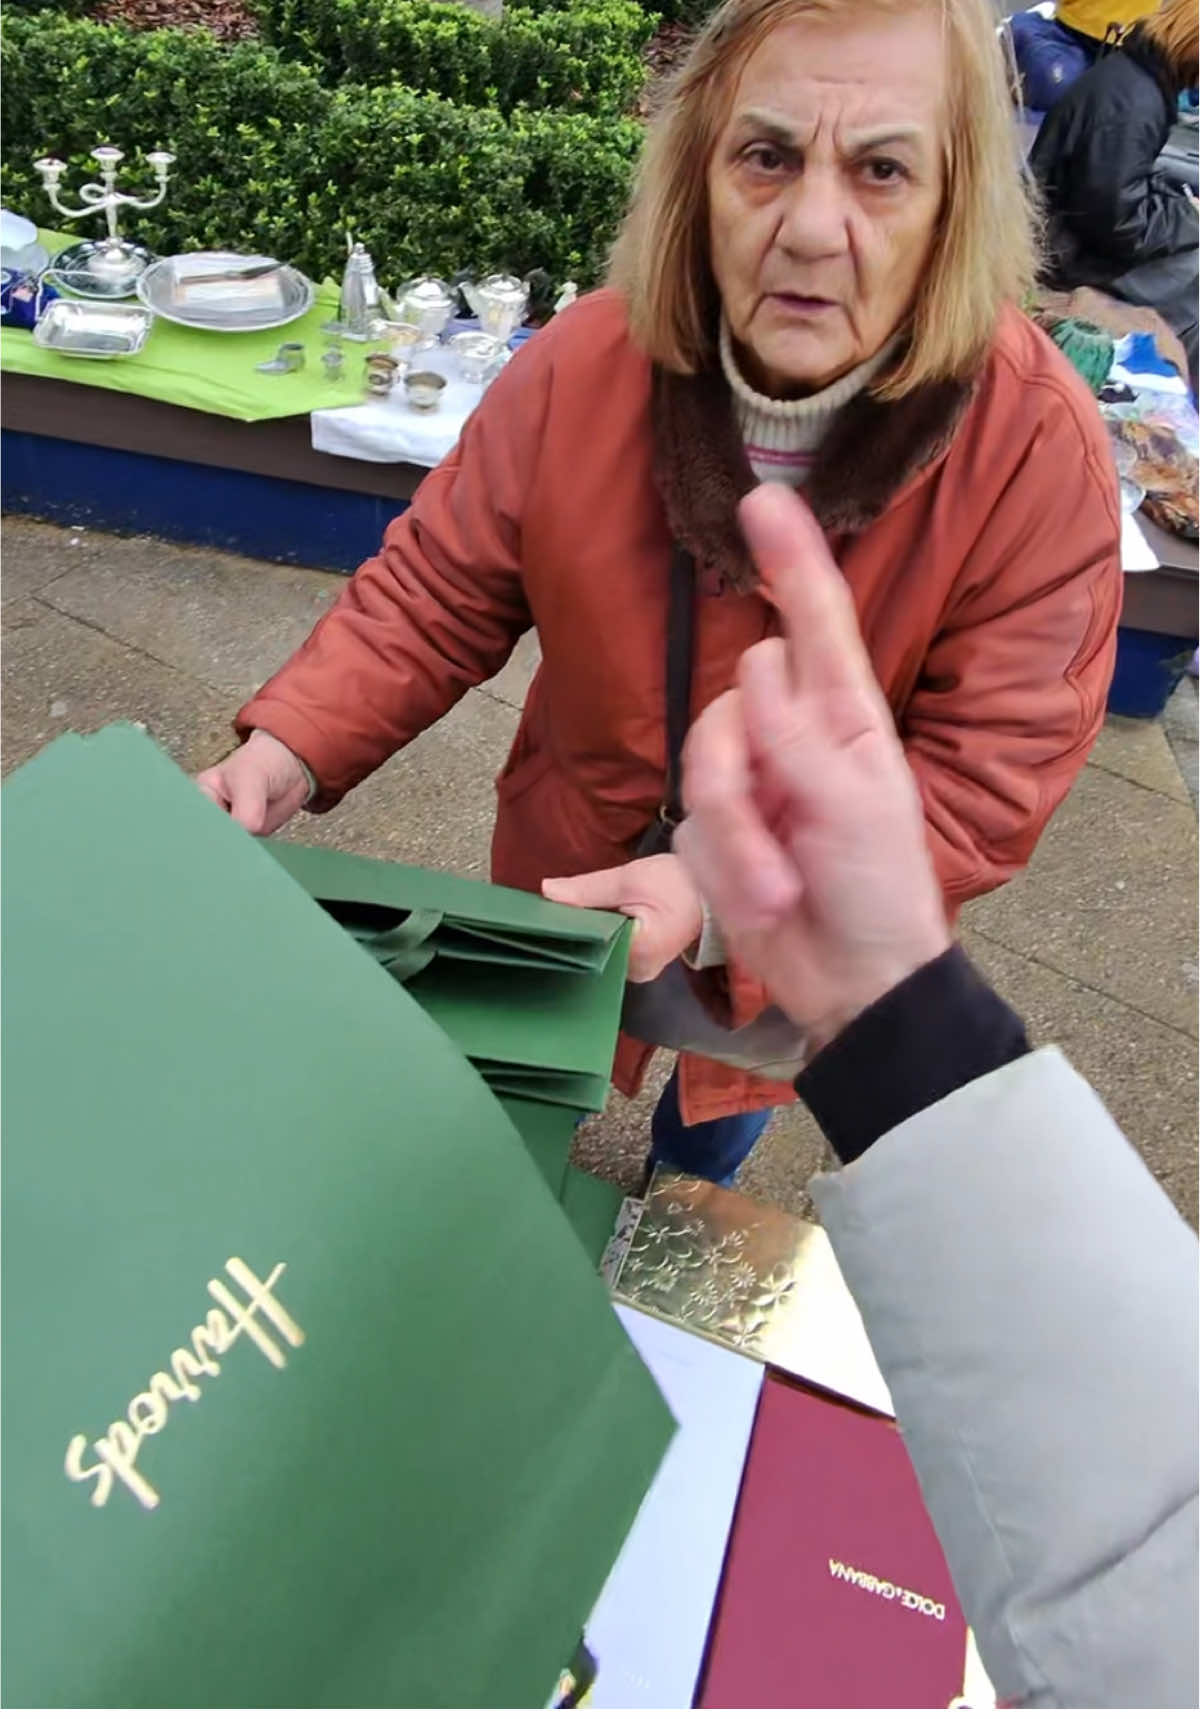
pixel 138 494
pixel 1149 668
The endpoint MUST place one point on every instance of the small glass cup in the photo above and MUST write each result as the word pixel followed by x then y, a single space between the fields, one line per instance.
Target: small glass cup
pixel 474 354
pixel 403 338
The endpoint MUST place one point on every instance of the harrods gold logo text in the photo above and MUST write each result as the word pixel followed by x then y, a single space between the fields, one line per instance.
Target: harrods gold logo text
pixel 259 1316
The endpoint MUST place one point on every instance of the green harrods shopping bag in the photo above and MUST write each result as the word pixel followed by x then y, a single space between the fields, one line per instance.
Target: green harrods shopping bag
pixel 310 1396
pixel 590 1203
pixel 547 1130
pixel 466 918
pixel 529 991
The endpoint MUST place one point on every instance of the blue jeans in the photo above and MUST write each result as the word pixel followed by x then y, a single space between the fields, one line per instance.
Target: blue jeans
pixel 714 1151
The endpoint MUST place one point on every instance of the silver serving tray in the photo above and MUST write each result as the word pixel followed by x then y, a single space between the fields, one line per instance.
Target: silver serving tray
pixel 88 330
pixel 155 289
pixel 72 271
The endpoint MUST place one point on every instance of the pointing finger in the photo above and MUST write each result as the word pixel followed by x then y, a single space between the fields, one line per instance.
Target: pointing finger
pixel 739 866
pixel 826 651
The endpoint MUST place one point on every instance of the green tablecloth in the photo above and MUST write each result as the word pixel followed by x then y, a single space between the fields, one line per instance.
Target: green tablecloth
pixel 206 371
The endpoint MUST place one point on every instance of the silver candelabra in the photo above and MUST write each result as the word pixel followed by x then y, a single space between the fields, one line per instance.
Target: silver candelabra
pixel 107 267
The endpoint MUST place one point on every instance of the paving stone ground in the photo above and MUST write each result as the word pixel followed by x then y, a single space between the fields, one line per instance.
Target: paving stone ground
pixel 1095 944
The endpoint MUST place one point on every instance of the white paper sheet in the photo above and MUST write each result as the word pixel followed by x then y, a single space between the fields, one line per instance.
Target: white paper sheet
pixel 650 1624
pixel 1136 554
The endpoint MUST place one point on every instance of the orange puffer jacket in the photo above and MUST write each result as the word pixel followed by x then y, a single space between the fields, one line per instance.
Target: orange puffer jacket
pixel 977 525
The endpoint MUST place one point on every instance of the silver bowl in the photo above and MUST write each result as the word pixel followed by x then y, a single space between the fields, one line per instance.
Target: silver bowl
pixel 424 389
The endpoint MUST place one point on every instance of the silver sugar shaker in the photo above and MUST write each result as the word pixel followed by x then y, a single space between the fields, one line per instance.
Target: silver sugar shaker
pixel 360 302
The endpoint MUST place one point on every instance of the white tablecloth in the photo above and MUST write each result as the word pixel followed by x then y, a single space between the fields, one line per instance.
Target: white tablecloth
pixel 1136 554
pixel 390 431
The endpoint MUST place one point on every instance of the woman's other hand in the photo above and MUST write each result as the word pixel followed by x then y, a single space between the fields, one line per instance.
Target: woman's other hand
pixel 656 892
pixel 260 785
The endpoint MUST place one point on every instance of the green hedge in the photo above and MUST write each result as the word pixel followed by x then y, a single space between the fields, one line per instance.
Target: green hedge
pixel 443 187
pixel 586 57
pixel 271 158
pixel 692 12
pixel 237 117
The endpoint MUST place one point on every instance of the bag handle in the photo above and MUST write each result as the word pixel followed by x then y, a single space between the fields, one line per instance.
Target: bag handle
pixel 680 634
pixel 405 949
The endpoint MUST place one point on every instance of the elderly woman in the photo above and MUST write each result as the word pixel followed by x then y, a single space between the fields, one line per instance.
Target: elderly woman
pixel 817 284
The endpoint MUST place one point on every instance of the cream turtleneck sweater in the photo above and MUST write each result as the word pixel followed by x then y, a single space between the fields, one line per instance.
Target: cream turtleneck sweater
pixel 782 436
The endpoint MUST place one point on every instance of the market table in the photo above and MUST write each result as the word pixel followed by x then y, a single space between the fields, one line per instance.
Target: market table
pixel 188 442
pixel 85 456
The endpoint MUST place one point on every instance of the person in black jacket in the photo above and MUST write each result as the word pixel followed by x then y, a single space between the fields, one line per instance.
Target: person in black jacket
pixel 1113 222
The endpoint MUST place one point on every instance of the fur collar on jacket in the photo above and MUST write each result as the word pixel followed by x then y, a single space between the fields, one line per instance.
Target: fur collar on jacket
pixel 872 449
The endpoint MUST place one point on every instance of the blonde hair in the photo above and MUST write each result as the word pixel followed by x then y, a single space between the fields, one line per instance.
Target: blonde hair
pixel 984 249
pixel 1175 29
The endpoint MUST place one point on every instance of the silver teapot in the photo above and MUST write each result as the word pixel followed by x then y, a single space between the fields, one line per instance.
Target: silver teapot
pixel 428 304
pixel 500 303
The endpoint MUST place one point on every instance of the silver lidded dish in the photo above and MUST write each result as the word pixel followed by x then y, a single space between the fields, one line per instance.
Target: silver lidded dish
pixel 82 330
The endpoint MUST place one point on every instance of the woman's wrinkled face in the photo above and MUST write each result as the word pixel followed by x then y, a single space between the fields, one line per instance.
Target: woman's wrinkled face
pixel 824 192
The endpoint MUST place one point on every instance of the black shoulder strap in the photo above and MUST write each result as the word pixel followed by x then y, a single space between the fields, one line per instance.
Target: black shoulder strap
pixel 680 631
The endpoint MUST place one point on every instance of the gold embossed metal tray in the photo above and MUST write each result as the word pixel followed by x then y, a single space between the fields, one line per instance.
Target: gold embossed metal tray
pixel 752 1278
